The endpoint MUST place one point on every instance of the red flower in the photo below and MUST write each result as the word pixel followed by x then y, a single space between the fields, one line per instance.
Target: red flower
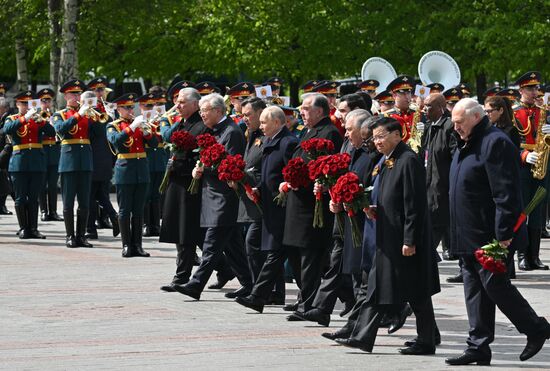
pixel 231 168
pixel 316 147
pixel 296 173
pixel 183 141
pixel 205 140
pixel 211 156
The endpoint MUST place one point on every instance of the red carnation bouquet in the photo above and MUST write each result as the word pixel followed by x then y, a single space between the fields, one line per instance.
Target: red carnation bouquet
pixel 203 141
pixel 316 147
pixel 232 169
pixel 181 141
pixel 325 170
pixel 295 173
pixel 349 191
pixel 492 256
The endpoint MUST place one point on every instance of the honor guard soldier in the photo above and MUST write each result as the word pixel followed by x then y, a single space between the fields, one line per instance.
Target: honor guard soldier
pixel 75 125
pixel 275 84
pixel 27 165
pixel 512 95
pixel 533 126
pixel 330 90
pixel 293 122
pixel 309 85
pixel 237 94
pixel 369 86
pixel 157 159
pixel 401 90
pixel 452 96
pixel 128 136
pixel 466 90
pixel 172 116
pixel 51 146
pixel 491 91
pixel 436 87
pixel 206 87
pixel 103 159
pixel 385 101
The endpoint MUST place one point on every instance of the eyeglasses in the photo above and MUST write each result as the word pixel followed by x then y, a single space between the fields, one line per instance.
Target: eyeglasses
pixel 380 137
pixel 489 111
pixel 205 110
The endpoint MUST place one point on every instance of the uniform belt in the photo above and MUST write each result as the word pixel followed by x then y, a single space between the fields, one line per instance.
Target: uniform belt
pixel 19 147
pixel 160 145
pixel 48 142
pixel 527 146
pixel 75 141
pixel 126 156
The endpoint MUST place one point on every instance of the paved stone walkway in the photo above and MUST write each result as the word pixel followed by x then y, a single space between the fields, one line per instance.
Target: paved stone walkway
pixel 90 309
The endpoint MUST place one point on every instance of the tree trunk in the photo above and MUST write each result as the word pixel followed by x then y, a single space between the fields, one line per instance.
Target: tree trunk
pixel 21 62
pixel 68 63
pixel 481 86
pixel 54 11
pixel 294 88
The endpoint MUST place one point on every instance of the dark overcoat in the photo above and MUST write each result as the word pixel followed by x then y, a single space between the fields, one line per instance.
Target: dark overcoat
pixel 402 218
pixel 248 211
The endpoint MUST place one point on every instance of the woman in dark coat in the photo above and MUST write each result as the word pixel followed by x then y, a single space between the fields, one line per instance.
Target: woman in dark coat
pixel 405 266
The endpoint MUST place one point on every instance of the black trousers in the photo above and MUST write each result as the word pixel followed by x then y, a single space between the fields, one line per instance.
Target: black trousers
pixel 334 284
pixel 441 234
pixel 271 275
pixel 307 263
pixel 482 291
pixel 99 194
pixel 253 245
pixel 219 240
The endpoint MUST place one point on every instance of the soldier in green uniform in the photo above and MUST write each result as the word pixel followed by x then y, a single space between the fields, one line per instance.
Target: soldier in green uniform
pixel 157 159
pixel 27 165
pixel 128 137
pixel 48 197
pixel 75 126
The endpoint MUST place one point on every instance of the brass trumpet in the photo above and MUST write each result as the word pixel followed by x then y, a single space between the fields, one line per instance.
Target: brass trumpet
pixel 171 112
pixel 97 116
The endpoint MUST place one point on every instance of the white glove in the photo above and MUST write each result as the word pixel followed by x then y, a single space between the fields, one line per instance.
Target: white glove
pixel 136 123
pixel 83 109
pixel 420 126
pixel 32 111
pixel 532 158
pixel 110 112
pixel 545 129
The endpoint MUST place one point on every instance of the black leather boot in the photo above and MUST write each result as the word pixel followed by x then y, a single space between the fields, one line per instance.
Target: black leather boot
pixel 137 225
pixel 125 234
pixel 81 222
pixel 534 247
pixel 68 218
pixel 3 209
pixel 44 215
pixel 524 263
pixel 21 212
pixel 32 215
pixel 52 206
pixel 154 221
pixel 114 222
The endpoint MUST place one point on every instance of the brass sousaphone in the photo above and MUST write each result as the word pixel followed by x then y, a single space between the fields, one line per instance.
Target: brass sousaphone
pixel 378 69
pixel 439 67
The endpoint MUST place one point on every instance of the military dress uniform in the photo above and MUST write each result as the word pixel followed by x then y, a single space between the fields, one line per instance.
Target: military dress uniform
pixel 27 166
pixel 131 177
pixel 157 158
pixel 75 165
pixel 529 118
pixel 407 118
pixel 52 151
pixel 241 91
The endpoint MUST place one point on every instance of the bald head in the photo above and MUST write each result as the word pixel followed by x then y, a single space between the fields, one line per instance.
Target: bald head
pixel 435 106
pixel 466 115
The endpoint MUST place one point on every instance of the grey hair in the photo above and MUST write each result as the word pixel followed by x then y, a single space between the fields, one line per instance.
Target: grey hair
pixel 470 107
pixel 214 99
pixel 360 116
pixel 319 100
pixel 4 103
pixel 275 113
pixel 190 94
pixel 87 94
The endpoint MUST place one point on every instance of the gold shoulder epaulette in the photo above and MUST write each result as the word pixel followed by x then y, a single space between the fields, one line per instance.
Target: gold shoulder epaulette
pixel 115 124
pixel 300 127
pixel 13 117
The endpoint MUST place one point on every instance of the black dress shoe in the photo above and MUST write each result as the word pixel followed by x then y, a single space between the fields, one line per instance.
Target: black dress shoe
pixel 296 316
pixel 55 217
pixel 91 235
pixel 170 287
pixel 340 334
pixel 524 264
pixel 4 210
pixel 219 284
pixel 82 242
pixel 141 252
pixel 291 307
pixel 347 308
pixel 469 357
pixel 410 343
pixel 240 292
pixel 187 290
pixel 251 302
pixel 400 319
pixel 386 320
pixel 317 315
pixel 534 345
pixel 45 217
pixel 35 234
pixel 353 344
pixel 456 279
pixel 417 349
pixel 537 264
pixel 70 242
pixel 127 252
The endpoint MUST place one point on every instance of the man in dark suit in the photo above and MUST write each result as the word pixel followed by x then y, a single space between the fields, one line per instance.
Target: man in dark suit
pixel 485 204
pixel 220 205
pixel 404 266
pixel 278 149
pixel 308 246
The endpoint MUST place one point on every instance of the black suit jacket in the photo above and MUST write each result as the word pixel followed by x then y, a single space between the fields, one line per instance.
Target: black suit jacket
pixel 220 204
pixel 248 212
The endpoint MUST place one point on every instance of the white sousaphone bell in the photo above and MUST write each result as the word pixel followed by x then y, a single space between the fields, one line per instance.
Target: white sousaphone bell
pixel 378 69
pixel 439 67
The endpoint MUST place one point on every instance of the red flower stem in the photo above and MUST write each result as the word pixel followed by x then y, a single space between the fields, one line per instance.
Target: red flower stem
pixel 522 217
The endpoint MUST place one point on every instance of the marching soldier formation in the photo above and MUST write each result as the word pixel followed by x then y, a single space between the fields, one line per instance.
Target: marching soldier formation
pixel 436 169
